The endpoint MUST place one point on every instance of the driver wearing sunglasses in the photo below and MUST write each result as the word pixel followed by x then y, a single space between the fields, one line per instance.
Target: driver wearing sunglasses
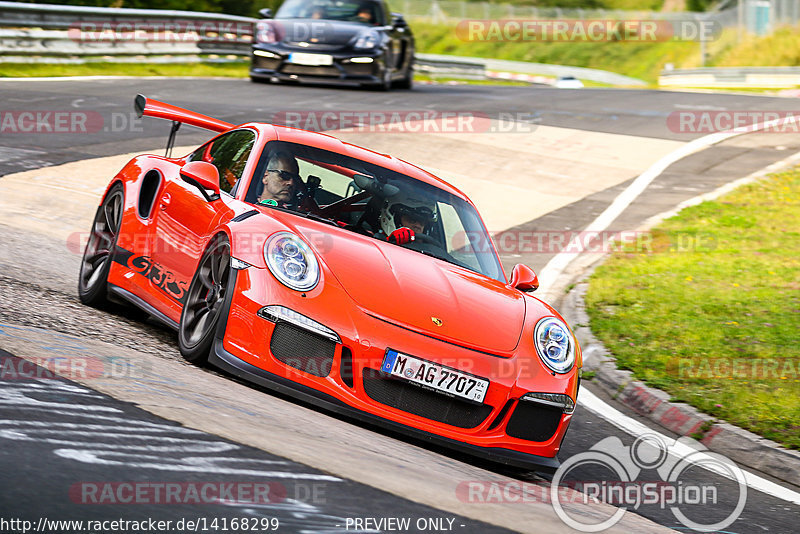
pixel 281 180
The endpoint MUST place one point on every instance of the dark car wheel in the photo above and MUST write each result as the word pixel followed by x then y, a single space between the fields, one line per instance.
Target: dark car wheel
pixel 204 302
pixel 386 80
pixel 407 82
pixel 98 255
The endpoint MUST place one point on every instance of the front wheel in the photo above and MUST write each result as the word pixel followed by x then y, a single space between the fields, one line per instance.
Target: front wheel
pixel 385 83
pixel 99 252
pixel 205 301
pixel 407 82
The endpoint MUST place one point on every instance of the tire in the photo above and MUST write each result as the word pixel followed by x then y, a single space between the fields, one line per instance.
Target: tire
pixel 205 301
pixel 386 81
pixel 408 80
pixel 98 255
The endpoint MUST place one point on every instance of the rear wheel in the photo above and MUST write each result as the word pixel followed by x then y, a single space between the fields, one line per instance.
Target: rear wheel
pixel 204 302
pixel 98 255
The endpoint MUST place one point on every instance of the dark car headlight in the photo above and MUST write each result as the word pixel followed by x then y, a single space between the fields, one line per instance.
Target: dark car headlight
pixel 265 33
pixel 367 40
pixel 291 261
pixel 554 344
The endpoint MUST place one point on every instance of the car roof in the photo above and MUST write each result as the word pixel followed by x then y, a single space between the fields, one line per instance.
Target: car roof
pixel 334 144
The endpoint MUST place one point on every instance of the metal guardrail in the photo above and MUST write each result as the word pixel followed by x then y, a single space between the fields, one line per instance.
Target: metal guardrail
pixel 767 77
pixel 42 33
pixel 45 33
pixel 525 67
pixel 52 16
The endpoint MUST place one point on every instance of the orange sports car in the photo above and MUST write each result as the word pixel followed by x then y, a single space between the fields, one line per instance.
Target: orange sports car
pixel 341 276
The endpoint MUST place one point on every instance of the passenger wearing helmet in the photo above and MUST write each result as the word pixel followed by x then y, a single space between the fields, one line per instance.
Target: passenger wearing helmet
pixel 404 216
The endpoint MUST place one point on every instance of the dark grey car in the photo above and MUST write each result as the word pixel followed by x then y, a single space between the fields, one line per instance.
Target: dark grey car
pixel 349 41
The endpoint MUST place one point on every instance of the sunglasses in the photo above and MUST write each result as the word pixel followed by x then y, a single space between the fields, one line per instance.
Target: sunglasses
pixel 286 175
pixel 421 214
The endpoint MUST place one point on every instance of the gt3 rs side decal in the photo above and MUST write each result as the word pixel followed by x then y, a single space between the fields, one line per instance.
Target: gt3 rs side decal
pixel 156 273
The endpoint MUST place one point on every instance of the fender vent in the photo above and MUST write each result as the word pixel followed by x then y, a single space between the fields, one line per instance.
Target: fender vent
pixel 246 215
pixel 147 193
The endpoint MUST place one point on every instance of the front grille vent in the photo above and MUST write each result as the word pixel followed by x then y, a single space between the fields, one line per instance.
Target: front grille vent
pixel 413 399
pixel 533 422
pixel 301 349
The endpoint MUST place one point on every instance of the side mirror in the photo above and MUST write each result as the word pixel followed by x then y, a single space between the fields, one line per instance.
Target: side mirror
pixel 204 176
pixel 524 279
pixel 265 13
pixel 398 21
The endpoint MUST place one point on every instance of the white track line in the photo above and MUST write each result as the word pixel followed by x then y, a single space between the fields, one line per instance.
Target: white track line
pixel 586 399
pixel 556 266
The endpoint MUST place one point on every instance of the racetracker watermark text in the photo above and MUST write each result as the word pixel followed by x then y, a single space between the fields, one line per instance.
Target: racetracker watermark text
pixel 66 122
pixel 505 242
pixel 172 31
pixel 595 30
pixel 74 368
pixel 413 121
pixel 145 493
pixel 777 368
pixel 736 121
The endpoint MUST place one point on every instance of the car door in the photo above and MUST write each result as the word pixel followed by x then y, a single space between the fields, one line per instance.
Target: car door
pixel 186 216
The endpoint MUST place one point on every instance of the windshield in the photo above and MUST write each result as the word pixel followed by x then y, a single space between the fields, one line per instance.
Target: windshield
pixel 353 11
pixel 373 201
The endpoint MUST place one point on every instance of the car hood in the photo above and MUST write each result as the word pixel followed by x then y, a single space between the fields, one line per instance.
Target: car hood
pixel 412 290
pixel 326 32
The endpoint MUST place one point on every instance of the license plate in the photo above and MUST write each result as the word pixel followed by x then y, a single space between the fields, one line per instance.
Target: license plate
pixel 314 60
pixel 435 376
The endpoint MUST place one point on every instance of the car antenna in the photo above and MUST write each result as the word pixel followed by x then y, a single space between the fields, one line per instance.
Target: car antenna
pixel 171 141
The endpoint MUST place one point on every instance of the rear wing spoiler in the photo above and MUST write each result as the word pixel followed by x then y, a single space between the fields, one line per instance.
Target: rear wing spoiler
pixel 160 110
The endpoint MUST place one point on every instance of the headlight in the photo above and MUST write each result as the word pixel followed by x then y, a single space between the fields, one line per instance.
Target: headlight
pixel 265 33
pixel 368 39
pixel 291 261
pixel 554 344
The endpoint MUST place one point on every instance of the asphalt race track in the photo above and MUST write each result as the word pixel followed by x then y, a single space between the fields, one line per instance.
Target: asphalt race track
pixel 63 440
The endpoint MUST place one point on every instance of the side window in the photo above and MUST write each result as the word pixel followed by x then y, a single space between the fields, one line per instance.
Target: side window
pixel 456 236
pixel 229 154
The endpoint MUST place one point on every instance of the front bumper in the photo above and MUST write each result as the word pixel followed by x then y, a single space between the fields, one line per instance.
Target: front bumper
pixel 348 382
pixel 272 62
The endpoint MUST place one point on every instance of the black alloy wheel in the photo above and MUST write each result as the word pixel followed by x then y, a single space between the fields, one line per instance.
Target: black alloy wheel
pixel 98 255
pixel 204 302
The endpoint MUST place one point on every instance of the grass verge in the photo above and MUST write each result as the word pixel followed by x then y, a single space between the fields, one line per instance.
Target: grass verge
pixel 637 59
pixel 15 70
pixel 233 70
pixel 712 313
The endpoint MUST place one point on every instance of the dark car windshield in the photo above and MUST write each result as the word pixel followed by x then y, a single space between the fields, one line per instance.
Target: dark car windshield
pixel 366 12
pixel 371 200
